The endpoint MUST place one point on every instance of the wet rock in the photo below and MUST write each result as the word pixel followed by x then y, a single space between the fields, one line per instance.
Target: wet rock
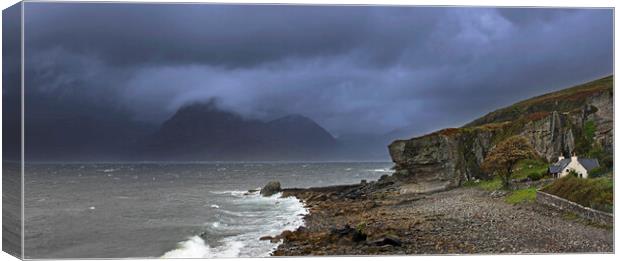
pixel 342 231
pixel 271 188
pixel 359 236
pixel 388 240
pixel 271 239
pixel 319 197
pixel 348 234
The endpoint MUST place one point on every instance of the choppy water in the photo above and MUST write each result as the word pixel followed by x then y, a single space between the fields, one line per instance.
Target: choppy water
pixel 155 210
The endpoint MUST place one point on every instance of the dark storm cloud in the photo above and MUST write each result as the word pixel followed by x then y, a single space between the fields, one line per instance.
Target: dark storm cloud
pixel 223 35
pixel 352 69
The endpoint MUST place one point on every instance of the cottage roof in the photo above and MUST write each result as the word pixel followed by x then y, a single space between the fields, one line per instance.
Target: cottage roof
pixel 559 166
pixel 589 164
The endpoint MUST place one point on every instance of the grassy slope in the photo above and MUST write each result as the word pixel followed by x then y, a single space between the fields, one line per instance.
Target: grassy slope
pixel 563 100
pixel 594 193
pixel 509 120
pixel 521 196
pixel 528 167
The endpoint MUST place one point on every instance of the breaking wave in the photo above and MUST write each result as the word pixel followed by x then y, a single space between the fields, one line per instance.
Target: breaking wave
pixel 385 170
pixel 241 222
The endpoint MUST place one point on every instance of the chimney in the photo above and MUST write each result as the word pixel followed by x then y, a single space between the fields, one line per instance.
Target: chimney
pixel 574 157
pixel 560 158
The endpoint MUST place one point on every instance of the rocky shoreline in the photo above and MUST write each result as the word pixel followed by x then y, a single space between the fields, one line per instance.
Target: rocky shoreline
pixel 384 218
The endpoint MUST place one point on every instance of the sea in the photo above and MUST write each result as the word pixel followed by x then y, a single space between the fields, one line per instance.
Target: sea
pixel 170 210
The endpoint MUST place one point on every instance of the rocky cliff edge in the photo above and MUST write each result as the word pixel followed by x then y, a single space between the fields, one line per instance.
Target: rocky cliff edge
pixel 574 120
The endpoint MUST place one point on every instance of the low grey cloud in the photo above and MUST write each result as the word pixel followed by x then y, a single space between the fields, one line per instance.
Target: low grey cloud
pixel 353 69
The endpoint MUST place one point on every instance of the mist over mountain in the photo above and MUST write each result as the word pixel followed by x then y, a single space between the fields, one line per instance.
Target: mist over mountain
pixel 199 131
pixel 202 131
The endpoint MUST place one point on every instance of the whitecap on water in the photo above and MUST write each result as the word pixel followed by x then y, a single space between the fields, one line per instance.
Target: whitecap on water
pixel 240 234
pixel 382 170
pixel 196 247
pixel 235 193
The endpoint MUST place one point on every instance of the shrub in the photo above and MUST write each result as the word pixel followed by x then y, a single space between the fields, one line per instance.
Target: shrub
pixel 596 173
pixel 606 159
pixel 589 128
pixel 503 158
pixel 535 176
pixel 531 167
pixel 545 173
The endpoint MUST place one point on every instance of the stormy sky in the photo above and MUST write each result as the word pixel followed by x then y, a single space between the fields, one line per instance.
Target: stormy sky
pixel 353 69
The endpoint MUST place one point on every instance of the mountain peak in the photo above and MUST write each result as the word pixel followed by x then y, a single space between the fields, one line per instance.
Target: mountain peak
pixel 202 131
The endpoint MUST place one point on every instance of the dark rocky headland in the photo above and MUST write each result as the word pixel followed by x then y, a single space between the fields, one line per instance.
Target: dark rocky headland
pixel 424 207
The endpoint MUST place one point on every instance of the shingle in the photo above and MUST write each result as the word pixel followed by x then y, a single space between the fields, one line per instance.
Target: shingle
pixel 589 164
pixel 559 166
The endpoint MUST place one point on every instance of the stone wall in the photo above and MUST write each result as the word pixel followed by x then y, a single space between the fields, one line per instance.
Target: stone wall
pixel 584 212
pixel 529 184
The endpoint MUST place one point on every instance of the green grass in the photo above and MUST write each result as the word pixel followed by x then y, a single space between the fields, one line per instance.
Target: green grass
pixel 521 196
pixel 529 167
pixel 490 185
pixel 595 193
pixel 493 184
pixel 522 170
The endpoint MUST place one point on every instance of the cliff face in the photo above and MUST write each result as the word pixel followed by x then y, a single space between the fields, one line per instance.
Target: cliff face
pixel 559 123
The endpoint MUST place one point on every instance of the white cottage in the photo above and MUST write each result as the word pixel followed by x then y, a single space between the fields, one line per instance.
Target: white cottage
pixel 565 165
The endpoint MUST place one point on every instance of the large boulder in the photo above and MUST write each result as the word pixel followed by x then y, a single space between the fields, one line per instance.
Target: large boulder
pixel 271 188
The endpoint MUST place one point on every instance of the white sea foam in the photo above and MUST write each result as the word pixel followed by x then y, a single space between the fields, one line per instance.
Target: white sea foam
pixel 262 216
pixel 194 247
pixel 236 193
pixel 383 170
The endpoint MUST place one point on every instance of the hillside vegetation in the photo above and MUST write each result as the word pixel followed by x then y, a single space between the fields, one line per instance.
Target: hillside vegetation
pixel 565 100
pixel 595 193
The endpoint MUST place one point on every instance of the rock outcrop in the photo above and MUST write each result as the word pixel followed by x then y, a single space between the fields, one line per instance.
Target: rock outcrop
pixel 271 188
pixel 556 124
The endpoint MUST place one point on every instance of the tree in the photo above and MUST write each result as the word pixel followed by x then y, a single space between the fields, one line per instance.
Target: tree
pixel 504 157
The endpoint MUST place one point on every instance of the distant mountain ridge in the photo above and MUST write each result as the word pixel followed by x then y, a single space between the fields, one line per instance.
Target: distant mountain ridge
pixel 202 131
